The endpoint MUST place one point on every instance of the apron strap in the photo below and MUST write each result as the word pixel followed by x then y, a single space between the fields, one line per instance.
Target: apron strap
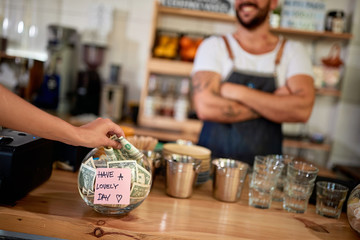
pixel 278 56
pixel 280 52
pixel 228 47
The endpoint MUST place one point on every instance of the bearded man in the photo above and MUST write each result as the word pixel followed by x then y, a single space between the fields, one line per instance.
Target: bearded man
pixel 246 83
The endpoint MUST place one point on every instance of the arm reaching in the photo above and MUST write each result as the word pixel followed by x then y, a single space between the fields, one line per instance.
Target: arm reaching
pixel 292 103
pixel 211 106
pixel 18 114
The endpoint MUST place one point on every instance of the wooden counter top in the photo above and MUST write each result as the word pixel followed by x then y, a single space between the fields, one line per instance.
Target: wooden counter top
pixel 56 209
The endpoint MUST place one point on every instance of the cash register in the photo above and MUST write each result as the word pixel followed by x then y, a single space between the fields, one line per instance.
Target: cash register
pixel 25 163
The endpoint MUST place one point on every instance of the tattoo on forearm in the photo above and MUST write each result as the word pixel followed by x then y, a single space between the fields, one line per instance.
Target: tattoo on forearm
pixel 200 84
pixel 229 112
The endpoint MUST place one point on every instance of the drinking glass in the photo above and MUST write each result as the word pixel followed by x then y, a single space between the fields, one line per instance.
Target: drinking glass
pixel 302 172
pixel 330 198
pixel 296 196
pixel 266 172
pixel 278 194
pixel 299 185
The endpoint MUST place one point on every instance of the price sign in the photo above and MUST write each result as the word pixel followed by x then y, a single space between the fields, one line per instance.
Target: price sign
pixel 112 186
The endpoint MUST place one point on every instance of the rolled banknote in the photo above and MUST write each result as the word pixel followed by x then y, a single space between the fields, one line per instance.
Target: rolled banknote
pixel 109 151
pixel 132 151
pixel 127 151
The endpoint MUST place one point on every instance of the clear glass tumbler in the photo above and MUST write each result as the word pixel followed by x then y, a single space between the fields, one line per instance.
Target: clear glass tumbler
pixel 296 196
pixel 266 172
pixel 330 198
pixel 299 185
pixel 278 194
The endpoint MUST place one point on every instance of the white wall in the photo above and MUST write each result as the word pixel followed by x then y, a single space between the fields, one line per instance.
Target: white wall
pixel 346 148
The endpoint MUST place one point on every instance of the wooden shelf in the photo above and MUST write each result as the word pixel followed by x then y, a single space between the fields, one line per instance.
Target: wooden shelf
pixel 168 123
pixel 166 135
pixel 306 145
pixel 230 18
pixel 169 67
pixel 328 92
pixel 312 34
pixel 196 14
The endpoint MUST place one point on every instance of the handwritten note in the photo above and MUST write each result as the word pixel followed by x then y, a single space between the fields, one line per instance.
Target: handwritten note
pixel 112 186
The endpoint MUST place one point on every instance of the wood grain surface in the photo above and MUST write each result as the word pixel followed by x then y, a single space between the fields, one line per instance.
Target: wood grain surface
pixel 56 209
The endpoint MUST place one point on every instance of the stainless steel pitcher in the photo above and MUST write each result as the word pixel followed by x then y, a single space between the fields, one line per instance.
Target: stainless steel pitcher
pixel 181 174
pixel 228 179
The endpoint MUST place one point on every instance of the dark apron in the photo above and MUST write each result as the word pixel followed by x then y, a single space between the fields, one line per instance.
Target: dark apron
pixel 244 140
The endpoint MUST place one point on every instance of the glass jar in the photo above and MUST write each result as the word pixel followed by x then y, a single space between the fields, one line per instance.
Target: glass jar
pixel 114 181
pixel 353 209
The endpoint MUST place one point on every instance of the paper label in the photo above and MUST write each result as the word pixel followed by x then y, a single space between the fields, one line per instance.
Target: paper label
pixel 112 186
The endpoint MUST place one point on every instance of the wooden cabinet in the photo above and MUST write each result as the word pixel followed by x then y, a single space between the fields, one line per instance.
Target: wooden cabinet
pixel 180 68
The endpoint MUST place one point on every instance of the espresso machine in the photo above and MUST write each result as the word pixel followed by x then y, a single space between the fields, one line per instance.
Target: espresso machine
pixel 60 74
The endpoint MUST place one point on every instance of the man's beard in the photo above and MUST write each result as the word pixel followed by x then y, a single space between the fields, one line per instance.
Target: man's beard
pixel 257 20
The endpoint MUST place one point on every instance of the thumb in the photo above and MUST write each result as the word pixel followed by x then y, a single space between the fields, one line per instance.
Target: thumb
pixel 114 144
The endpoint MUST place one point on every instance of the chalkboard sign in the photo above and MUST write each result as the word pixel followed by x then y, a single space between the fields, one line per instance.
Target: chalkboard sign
pixel 222 6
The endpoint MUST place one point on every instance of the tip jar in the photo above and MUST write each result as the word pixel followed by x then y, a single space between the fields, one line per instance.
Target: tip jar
pixel 114 181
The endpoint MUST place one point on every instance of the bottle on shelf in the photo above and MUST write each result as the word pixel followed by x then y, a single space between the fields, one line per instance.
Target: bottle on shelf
pixel 153 100
pixel 168 98
pixel 182 102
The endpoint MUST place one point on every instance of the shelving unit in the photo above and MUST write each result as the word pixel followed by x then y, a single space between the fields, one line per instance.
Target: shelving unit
pixel 171 67
pixel 179 68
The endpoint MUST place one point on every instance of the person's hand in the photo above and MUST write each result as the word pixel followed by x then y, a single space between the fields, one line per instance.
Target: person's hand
pixel 97 133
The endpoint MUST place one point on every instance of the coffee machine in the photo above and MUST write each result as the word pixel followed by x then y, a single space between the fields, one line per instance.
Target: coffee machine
pixel 88 87
pixel 59 78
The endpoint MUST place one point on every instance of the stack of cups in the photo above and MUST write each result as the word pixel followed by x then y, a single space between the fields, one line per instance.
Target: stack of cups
pixel 299 185
pixel 266 172
pixel 278 194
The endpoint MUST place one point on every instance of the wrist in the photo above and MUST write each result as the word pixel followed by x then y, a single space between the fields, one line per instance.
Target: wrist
pixel 222 87
pixel 72 135
pixel 224 90
pixel 232 91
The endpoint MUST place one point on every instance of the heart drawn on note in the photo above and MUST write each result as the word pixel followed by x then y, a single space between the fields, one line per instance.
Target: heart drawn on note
pixel 118 197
